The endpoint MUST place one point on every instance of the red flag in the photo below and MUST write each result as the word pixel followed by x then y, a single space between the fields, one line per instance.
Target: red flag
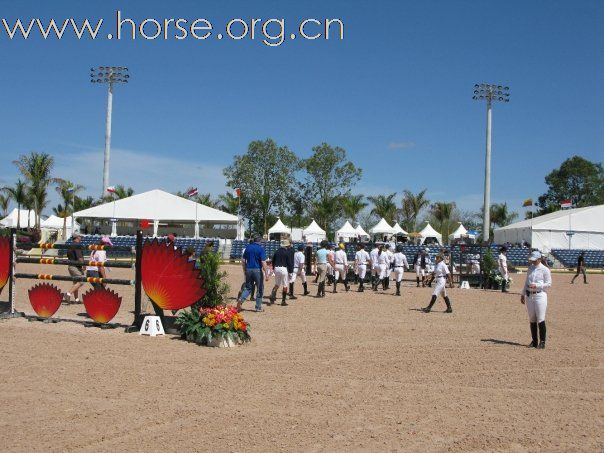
pixel 237 192
pixel 566 204
pixel 144 224
pixel 192 192
pixel 111 189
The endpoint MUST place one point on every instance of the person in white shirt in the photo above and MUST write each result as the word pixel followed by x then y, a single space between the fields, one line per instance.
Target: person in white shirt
pixel 400 263
pixel 98 256
pixel 375 267
pixel 331 264
pixel 362 260
pixel 441 276
pixel 502 262
pixel 299 269
pixel 384 265
pixel 534 296
pixel 421 262
pixel 341 267
pixel 390 253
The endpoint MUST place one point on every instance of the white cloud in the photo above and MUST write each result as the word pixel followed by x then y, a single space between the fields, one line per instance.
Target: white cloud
pixel 401 145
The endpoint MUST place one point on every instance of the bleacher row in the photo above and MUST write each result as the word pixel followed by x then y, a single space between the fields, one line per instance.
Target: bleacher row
pixel 130 241
pixel 516 255
pixel 593 258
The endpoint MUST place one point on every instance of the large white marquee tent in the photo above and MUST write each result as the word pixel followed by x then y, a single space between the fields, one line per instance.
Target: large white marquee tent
pixel 551 231
pixel 313 232
pixel 429 232
pixel 346 232
pixel 10 221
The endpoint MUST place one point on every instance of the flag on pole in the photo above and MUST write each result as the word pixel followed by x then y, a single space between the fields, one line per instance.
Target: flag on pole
pixel 237 192
pixel 192 192
pixel 69 189
pixel 527 202
pixel 566 204
pixel 111 189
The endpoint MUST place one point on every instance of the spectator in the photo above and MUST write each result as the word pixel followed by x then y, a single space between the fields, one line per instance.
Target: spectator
pixel 254 261
pixel 98 257
pixel 75 254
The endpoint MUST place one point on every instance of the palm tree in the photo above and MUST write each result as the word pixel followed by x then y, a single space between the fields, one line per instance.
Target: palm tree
pixel 442 213
pixel 352 205
pixel 120 192
pixel 18 193
pixel 412 207
pixel 80 204
pixel 4 199
pixel 229 202
pixel 384 206
pixel 325 212
pixel 500 215
pixel 206 199
pixel 67 190
pixel 37 167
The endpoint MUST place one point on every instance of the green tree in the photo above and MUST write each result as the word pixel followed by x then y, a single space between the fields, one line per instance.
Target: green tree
pixel 67 190
pixel 384 206
pixel 79 204
pixel 443 215
pixel 19 194
pixel 265 174
pixel 4 200
pixel 413 205
pixel 501 215
pixel 352 205
pixel 229 202
pixel 37 169
pixel 120 193
pixel 577 179
pixel 329 177
pixel 213 280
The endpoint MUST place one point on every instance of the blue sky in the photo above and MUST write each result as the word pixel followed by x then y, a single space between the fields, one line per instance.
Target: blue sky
pixel 396 93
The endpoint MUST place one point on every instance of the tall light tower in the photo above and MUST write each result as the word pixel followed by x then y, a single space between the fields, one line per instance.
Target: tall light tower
pixel 490 93
pixel 110 75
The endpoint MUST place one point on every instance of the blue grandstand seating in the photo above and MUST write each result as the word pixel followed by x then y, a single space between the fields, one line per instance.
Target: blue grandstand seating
pixel 593 258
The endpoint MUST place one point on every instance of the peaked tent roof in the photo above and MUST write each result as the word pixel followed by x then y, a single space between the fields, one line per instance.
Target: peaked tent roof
pixel 461 230
pixel 382 227
pixel 313 228
pixel 347 231
pixel 157 205
pixel 279 228
pixel 398 229
pixel 429 232
pixel 11 219
pixel 581 219
pixel 57 222
pixel 360 231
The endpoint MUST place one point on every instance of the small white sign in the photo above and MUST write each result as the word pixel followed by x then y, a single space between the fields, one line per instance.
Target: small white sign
pixel 152 326
pixel 465 285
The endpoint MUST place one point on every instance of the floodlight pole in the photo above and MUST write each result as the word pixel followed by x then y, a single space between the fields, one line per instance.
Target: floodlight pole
pixel 490 93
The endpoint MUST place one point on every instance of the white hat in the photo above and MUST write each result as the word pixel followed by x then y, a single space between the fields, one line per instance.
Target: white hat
pixel 535 255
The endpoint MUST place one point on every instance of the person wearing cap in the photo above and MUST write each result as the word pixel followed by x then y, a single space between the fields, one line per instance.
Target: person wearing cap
pixel 283 266
pixel 502 263
pixel 299 269
pixel 171 241
pixel 442 276
pixel 534 296
pixel 362 260
pixel 98 256
pixel 399 263
pixel 321 255
pixel 375 266
pixel 384 265
pixel 580 268
pixel 341 267
pixel 254 262
pixel 421 262
pixel 74 253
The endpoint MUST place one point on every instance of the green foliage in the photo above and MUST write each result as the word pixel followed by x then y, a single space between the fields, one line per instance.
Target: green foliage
pixel 265 175
pixel 413 205
pixel 352 205
pixel 577 179
pixel 213 278
pixel 384 206
pixel 121 192
pixel 444 217
pixel 488 264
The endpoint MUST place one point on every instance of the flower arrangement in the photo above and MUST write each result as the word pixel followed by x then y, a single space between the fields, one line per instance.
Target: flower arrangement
pixel 206 325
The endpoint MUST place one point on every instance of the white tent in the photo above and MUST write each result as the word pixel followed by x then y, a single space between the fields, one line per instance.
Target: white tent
pixel 313 232
pixel 459 232
pixel 399 230
pixel 550 231
pixel 56 223
pixel 361 233
pixel 157 205
pixel 346 232
pixel 10 221
pixel 279 228
pixel 429 232
pixel 382 227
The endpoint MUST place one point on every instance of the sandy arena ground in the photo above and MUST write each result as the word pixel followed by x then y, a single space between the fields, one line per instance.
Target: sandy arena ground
pixel 351 372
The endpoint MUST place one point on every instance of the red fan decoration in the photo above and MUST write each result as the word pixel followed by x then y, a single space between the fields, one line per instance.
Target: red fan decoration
pixel 101 304
pixel 4 260
pixel 45 299
pixel 169 278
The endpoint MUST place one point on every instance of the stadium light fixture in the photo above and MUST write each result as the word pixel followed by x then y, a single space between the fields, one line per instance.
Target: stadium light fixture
pixel 110 75
pixel 491 93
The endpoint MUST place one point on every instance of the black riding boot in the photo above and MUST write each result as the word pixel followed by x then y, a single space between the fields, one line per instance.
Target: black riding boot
pixel 319 290
pixel 335 285
pixel 361 287
pixel 273 297
pixel 448 302
pixel 283 297
pixel 346 285
pixel 542 335
pixel 535 341
pixel 291 292
pixel 383 284
pixel 430 305
pixel 417 278
pixel 305 286
pixel 398 288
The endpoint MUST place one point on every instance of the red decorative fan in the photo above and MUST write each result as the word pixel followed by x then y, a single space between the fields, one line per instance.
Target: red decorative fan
pixel 4 261
pixel 101 304
pixel 169 278
pixel 45 299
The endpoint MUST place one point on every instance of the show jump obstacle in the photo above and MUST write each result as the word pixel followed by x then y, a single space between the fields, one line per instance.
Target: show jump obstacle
pixel 169 279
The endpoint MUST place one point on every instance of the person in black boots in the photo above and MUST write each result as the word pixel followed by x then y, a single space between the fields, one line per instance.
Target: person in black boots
pixel 580 268
pixel 441 276
pixel 400 263
pixel 534 296
pixel 299 269
pixel 283 266
pixel 502 263
pixel 384 264
pixel 341 267
pixel 362 260
pixel 420 263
